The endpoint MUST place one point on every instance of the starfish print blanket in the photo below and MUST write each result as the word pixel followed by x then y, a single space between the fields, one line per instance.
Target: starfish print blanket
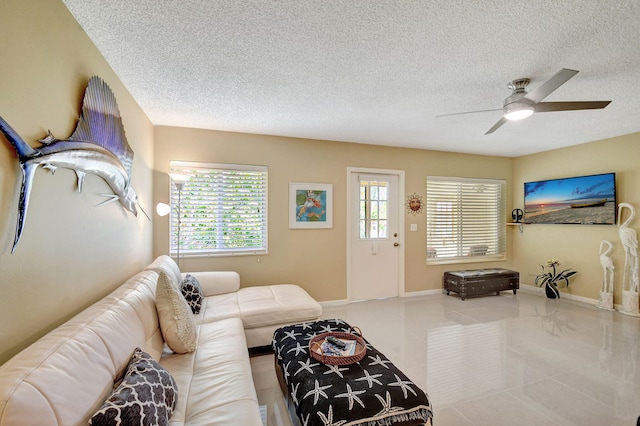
pixel 372 392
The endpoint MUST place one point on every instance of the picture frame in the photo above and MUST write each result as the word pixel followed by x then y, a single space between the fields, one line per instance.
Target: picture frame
pixel 310 205
pixel 580 200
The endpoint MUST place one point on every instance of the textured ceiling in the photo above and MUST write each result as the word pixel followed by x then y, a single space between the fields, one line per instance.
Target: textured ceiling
pixel 373 71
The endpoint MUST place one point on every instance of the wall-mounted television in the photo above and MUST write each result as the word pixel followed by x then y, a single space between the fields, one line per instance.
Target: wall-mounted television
pixel 584 200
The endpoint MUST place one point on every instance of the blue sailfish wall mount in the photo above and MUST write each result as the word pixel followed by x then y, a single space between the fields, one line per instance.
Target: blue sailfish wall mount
pixel 97 146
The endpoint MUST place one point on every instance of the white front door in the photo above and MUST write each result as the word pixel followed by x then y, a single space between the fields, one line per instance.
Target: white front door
pixel 375 264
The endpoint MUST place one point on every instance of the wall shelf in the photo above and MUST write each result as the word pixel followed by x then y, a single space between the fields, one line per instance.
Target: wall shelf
pixel 520 225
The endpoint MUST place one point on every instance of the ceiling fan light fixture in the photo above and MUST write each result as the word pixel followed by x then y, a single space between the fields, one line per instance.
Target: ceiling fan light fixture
pixel 521 104
pixel 517 112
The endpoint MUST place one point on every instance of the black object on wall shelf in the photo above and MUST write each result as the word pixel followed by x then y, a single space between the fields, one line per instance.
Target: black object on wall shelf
pixel 517 215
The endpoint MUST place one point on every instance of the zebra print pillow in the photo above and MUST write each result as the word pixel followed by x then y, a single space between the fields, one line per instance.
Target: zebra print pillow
pixel 147 395
pixel 192 293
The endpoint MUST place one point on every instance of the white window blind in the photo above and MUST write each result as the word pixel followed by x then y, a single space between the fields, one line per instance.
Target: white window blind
pixel 465 219
pixel 223 209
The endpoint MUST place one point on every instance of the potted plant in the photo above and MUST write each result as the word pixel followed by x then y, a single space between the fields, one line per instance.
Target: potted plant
pixel 550 279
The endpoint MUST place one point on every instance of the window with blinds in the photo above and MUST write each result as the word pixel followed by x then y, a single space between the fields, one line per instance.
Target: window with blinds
pixel 465 219
pixel 222 208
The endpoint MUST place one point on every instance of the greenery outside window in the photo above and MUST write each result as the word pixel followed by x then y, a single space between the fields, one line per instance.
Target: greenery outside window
pixel 465 220
pixel 374 205
pixel 223 209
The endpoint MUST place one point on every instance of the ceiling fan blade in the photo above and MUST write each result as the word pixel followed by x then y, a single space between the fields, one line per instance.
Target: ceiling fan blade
pixel 545 89
pixel 495 126
pixel 570 106
pixel 468 112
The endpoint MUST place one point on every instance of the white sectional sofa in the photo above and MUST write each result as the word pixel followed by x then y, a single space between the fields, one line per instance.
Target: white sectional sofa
pixel 65 377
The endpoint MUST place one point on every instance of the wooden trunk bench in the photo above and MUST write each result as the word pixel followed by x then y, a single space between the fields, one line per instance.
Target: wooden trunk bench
pixel 475 282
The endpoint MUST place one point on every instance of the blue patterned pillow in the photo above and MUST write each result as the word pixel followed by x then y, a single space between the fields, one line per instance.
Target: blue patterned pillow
pixel 192 293
pixel 147 395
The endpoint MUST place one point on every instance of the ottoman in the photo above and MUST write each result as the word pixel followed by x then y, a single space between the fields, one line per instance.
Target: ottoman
pixel 369 392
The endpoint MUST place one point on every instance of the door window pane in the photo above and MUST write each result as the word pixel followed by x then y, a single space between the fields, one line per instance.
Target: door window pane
pixel 374 209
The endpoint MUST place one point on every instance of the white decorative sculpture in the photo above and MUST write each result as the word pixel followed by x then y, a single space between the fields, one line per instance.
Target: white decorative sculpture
pixel 630 290
pixel 606 290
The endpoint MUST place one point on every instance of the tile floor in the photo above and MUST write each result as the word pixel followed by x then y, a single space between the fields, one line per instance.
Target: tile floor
pixel 498 360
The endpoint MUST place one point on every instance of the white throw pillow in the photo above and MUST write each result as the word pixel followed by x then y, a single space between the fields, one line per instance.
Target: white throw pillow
pixel 176 319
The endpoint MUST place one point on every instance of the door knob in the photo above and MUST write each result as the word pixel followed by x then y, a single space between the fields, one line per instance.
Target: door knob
pixel 396 244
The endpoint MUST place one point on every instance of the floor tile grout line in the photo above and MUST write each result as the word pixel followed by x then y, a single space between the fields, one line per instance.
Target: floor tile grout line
pixel 527 404
pixel 583 394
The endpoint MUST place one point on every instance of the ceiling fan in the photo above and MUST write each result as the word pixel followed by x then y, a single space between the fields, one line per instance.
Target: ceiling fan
pixel 522 104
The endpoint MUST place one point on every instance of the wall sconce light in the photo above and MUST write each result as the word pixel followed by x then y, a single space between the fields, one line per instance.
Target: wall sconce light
pixel 163 209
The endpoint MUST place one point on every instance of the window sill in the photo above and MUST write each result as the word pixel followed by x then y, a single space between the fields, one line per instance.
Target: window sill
pixel 458 260
pixel 221 254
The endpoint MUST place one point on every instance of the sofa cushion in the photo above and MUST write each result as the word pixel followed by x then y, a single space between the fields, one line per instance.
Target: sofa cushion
pixel 192 292
pixel 66 375
pixel 216 308
pixel 276 304
pixel 215 384
pixel 217 282
pixel 147 394
pixel 167 265
pixel 262 306
pixel 176 319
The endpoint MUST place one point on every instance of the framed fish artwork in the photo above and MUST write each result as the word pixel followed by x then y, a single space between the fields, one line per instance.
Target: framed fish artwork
pixel 310 205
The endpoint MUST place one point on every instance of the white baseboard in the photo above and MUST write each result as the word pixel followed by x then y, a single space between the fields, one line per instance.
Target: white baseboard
pixel 334 303
pixel 530 289
pixel 539 290
pixel 406 294
pixel 421 293
pixel 523 287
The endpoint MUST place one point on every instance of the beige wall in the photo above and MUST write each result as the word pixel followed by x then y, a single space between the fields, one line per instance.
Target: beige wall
pixel 71 253
pixel 314 259
pixel 576 246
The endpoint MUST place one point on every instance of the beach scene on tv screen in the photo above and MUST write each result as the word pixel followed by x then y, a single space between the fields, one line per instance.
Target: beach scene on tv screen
pixel 587 200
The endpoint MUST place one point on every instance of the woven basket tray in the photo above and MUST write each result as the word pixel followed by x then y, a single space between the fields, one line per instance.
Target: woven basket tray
pixel 315 342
